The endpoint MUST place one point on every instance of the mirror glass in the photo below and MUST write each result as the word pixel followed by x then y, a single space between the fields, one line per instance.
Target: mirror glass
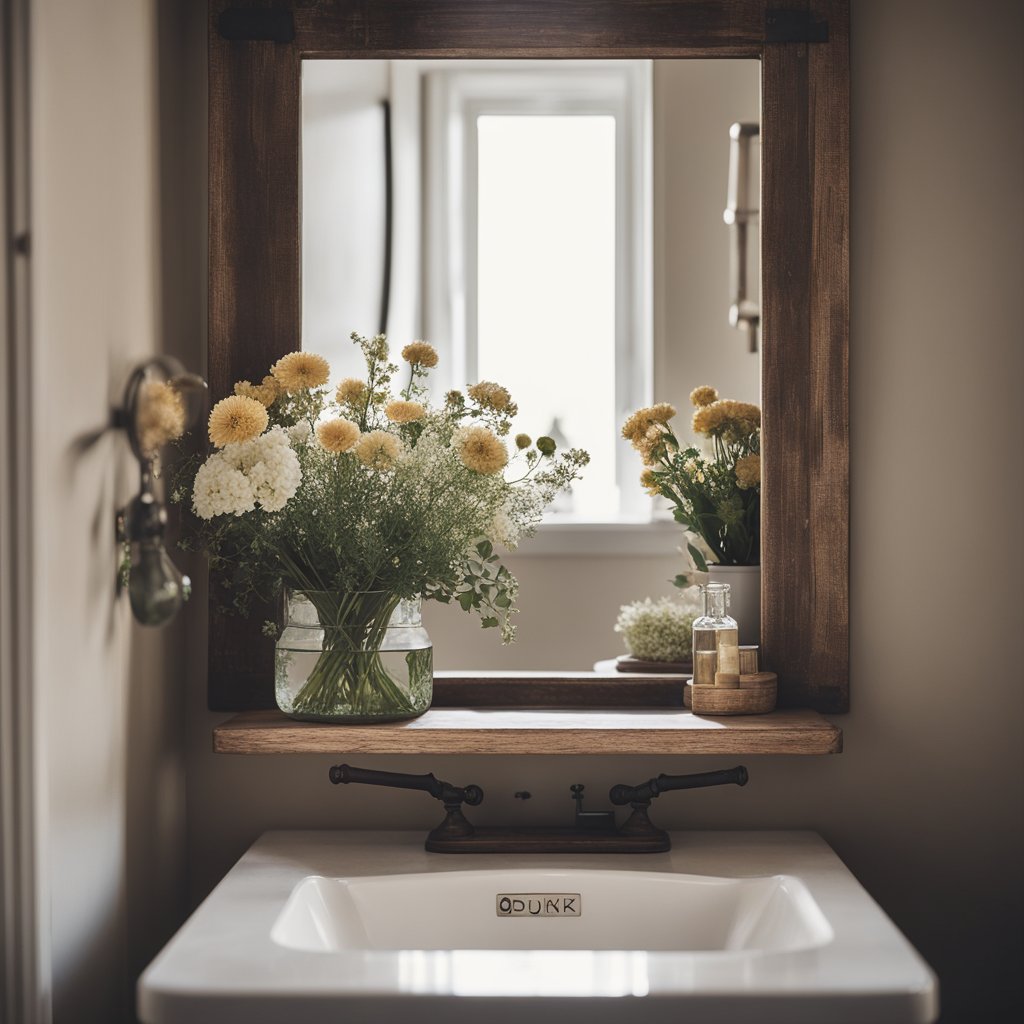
pixel 572 229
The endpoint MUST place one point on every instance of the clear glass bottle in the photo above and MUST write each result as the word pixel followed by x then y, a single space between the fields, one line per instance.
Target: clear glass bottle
pixel 360 657
pixel 710 631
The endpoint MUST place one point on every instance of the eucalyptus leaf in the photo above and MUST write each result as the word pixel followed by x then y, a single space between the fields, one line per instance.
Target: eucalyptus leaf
pixel 698 557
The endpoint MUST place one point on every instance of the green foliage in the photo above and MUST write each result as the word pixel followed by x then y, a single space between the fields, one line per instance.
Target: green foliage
pixel 427 524
pixel 658 630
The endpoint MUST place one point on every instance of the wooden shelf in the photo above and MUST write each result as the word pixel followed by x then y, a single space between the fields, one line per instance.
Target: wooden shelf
pixel 536 731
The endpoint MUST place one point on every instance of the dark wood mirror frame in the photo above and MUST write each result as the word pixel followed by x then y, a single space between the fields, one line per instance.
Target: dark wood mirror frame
pixel 255 254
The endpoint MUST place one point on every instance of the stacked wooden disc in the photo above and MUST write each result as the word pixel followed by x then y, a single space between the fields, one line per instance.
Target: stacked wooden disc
pixel 756 695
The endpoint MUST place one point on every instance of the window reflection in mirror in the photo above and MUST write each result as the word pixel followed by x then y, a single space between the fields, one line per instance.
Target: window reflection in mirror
pixel 556 225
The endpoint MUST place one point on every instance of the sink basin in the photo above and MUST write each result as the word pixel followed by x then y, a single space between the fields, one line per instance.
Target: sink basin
pixel 536 909
pixel 726 928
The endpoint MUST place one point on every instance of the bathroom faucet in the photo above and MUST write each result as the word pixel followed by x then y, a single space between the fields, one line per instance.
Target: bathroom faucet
pixel 591 832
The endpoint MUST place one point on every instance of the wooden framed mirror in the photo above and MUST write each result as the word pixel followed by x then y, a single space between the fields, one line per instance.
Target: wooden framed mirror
pixel 255 58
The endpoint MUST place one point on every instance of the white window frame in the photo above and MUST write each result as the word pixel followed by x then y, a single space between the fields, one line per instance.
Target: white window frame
pixel 452 94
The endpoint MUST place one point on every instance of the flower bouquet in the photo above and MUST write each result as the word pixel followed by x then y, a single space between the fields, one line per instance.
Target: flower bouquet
pixel 358 501
pixel 715 495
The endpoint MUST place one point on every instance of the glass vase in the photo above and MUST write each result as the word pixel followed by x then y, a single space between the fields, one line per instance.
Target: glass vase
pixel 357 657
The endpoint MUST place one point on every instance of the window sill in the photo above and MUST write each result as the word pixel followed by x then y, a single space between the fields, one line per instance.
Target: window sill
pixel 567 537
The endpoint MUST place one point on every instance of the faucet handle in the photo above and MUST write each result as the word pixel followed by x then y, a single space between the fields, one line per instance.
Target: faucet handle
pixel 437 788
pixel 648 790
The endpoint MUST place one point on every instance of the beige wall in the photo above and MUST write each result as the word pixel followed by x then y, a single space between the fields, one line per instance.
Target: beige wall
pixel 110 692
pixel 695 102
pixel 925 805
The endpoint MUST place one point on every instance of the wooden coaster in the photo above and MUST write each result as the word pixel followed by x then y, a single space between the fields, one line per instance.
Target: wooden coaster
pixel 756 695
pixel 627 663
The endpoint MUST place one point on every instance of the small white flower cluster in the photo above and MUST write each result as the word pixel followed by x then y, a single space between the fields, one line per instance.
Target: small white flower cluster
pixel 518 517
pixel 233 480
pixel 657 630
pixel 504 531
pixel 300 433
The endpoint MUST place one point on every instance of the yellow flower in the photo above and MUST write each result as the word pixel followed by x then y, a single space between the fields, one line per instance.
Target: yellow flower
pixel 266 393
pixel 337 435
pixel 650 483
pixel 523 441
pixel 636 427
pixel 420 353
pixel 300 371
pixel 734 420
pixel 481 451
pixel 652 446
pixel 704 395
pixel 489 395
pixel 748 471
pixel 404 412
pixel 235 419
pixel 350 390
pixel 160 417
pixel 378 449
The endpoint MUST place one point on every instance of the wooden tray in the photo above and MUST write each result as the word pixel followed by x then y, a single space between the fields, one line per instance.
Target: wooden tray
pixel 756 695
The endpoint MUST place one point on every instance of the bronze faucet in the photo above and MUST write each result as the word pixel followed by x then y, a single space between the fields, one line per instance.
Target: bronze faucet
pixel 591 831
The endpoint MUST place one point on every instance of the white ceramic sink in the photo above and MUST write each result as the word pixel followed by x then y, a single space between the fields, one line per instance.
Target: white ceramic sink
pixel 542 909
pixel 728 927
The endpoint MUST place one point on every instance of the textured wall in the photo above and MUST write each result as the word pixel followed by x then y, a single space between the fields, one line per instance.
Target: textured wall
pixel 925 805
pixel 111 694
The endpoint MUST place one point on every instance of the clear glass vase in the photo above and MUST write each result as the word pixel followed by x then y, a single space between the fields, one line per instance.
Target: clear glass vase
pixel 357 657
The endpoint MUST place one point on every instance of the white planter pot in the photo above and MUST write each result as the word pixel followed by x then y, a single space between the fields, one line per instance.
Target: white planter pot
pixel 744 597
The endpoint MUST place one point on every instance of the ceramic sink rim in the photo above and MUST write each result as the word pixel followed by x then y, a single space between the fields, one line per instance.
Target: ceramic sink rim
pixel 223 965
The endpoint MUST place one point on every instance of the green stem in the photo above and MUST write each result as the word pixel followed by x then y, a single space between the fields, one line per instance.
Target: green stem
pixel 349 679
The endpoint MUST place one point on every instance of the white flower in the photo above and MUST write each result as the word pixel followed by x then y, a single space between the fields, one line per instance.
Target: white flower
pixel 300 433
pixel 232 481
pixel 221 490
pixel 657 630
pixel 503 531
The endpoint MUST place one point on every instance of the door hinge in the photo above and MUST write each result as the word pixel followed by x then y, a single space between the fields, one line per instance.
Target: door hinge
pixel 794 27
pixel 253 24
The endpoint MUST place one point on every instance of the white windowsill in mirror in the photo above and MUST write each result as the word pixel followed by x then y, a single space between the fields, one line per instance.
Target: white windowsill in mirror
pixel 570 536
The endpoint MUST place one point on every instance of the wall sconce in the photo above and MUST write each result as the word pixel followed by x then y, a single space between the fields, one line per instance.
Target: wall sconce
pixel 742 211
pixel 161 401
